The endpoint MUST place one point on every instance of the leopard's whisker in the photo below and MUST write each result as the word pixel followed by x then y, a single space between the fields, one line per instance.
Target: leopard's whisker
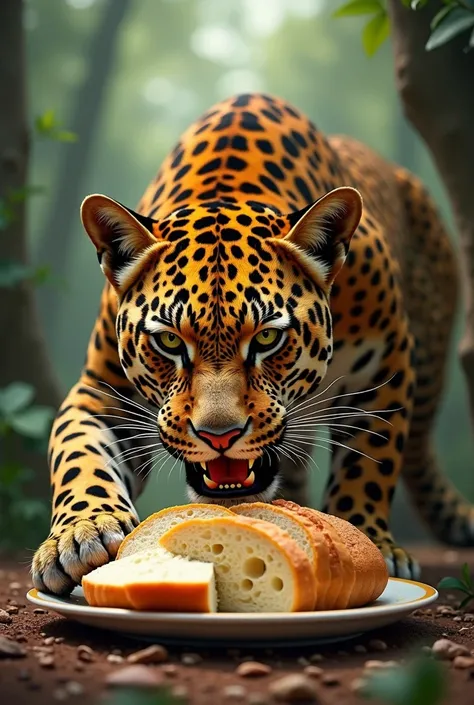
pixel 119 397
pixel 298 451
pixel 340 445
pixel 330 414
pixel 315 396
pixel 310 427
pixel 132 453
pixel 341 396
pixel 142 434
pixel 132 413
pixel 122 417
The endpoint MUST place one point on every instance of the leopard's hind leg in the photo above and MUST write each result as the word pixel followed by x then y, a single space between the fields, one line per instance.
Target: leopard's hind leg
pixel 431 296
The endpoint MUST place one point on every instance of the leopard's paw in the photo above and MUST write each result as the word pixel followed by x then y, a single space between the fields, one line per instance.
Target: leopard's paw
pixel 62 560
pixel 399 562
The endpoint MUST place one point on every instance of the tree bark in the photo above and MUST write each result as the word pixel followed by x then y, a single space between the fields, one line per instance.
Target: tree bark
pixel 437 93
pixel 23 355
pixel 85 118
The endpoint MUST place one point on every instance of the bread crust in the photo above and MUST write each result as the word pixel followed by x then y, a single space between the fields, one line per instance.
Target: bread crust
pixel 300 565
pixel 126 547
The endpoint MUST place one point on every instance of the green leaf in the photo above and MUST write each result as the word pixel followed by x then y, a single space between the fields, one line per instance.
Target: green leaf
pixel 466 576
pixel 422 682
pixel 439 17
pixel 46 122
pixel 455 22
pixel 451 584
pixel 34 422
pixel 375 32
pixel 65 136
pixel 417 4
pixel 358 7
pixel 13 273
pixel 15 397
pixel 466 601
pixel 471 40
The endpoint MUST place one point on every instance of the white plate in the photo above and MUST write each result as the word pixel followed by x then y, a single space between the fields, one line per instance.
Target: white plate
pixel 398 600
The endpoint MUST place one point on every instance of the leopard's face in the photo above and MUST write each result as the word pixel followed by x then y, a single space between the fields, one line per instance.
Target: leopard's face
pixel 222 324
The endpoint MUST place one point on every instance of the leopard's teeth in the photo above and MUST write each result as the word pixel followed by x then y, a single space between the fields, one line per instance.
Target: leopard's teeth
pixel 250 480
pixel 203 465
pixel 210 483
pixel 251 462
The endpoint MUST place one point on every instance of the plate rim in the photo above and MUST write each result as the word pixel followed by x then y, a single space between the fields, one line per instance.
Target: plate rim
pixel 53 603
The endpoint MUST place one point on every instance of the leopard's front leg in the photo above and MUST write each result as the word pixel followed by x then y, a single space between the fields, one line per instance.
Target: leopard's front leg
pixel 366 466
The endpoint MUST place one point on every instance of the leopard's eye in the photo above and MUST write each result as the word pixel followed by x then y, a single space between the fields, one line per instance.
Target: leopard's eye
pixel 170 341
pixel 267 339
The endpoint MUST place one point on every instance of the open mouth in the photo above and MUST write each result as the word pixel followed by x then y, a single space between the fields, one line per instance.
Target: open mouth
pixel 227 477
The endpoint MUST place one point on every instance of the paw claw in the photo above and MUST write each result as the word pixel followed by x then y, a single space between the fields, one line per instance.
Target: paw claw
pixel 61 561
pixel 399 562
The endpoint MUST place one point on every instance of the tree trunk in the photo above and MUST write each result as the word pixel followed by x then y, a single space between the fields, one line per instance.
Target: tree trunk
pixel 437 92
pixel 23 355
pixel 85 117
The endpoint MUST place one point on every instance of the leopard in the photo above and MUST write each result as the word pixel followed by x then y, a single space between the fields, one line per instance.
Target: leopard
pixel 275 291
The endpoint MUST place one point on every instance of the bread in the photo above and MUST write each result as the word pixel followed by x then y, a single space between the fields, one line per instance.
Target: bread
pixel 147 534
pixel 154 580
pixel 360 573
pixel 304 533
pixel 258 566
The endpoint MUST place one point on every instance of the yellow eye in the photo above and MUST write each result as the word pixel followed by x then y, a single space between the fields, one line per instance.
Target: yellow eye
pixel 267 337
pixel 170 341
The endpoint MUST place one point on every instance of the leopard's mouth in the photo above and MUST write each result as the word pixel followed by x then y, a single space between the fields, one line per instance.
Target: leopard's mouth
pixel 228 477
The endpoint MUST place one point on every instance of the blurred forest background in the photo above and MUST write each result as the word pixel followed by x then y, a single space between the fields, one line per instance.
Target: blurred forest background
pixel 127 77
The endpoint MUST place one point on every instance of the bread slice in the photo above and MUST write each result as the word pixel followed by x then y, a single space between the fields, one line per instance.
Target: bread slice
pixel 303 531
pixel 369 564
pixel 154 580
pixel 339 562
pixel 258 566
pixel 147 534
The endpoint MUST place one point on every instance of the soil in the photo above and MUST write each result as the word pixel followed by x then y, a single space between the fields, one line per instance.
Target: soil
pixel 55 666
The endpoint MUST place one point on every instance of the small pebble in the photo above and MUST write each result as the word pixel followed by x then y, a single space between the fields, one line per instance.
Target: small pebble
pixel 152 654
pixel 377 645
pixel 234 692
pixel 10 648
pixel 447 649
pixel 59 640
pixel 330 679
pixel 464 662
pixel 303 661
pixel 12 609
pixel 48 641
pixel 137 676
pixel 468 617
pixel 457 619
pixel 74 688
pixel 313 671
pixel 360 649
pixel 293 689
pixel 114 658
pixel 191 659
pixel 46 661
pixel 5 618
pixel 316 658
pixel 180 692
pixel 85 653
pixel 169 669
pixel 15 586
pixel 39 610
pixel 253 669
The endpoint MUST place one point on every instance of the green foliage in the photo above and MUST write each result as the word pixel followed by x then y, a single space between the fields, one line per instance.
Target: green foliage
pixel 454 19
pixel 465 584
pixel 421 682
pixel 47 125
pixel 10 202
pixel 20 517
pixel 135 696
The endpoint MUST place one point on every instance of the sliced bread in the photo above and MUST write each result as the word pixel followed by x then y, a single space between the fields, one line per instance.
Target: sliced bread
pixel 258 566
pixel 154 580
pixel 147 534
pixel 303 531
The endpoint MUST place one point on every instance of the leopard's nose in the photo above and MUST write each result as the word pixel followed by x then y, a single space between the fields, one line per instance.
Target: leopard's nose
pixel 222 440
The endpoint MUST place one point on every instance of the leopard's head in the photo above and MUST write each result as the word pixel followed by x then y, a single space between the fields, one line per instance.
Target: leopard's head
pixel 223 323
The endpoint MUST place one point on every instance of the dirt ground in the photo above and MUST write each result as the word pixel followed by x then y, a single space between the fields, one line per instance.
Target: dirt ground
pixel 63 661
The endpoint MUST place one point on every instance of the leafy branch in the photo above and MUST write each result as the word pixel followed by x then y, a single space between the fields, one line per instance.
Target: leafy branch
pixel 47 125
pixel 465 584
pixel 454 19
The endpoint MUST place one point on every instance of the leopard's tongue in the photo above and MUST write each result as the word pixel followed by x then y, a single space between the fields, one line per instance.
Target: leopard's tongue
pixel 227 470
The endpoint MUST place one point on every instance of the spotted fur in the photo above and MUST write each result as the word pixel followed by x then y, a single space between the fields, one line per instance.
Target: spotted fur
pixel 248 223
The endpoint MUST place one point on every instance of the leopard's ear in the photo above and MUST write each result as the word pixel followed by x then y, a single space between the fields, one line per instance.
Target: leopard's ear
pixel 120 236
pixel 322 231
